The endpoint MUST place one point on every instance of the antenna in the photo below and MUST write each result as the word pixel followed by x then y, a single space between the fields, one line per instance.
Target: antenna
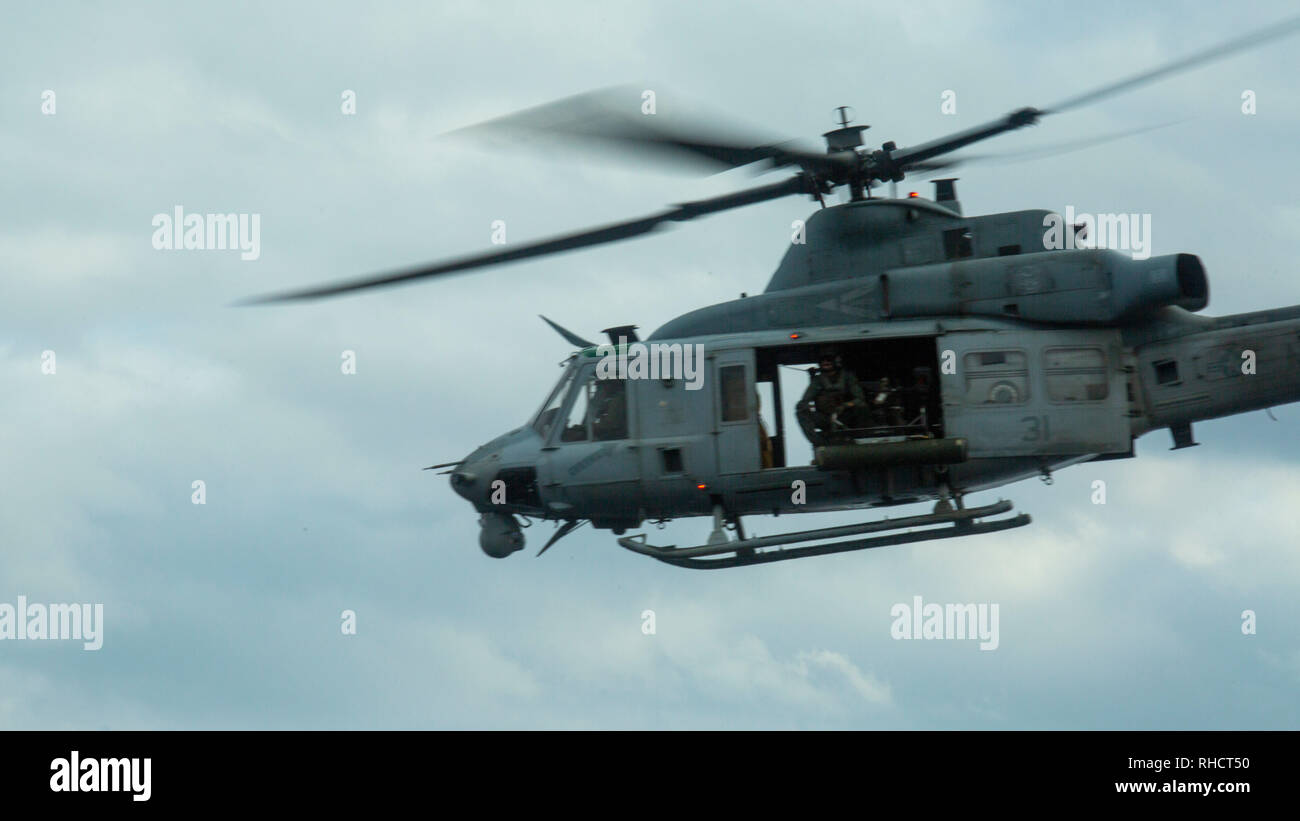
pixel 846 137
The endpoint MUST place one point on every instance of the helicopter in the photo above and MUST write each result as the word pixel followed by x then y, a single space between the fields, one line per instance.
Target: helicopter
pixel 983 353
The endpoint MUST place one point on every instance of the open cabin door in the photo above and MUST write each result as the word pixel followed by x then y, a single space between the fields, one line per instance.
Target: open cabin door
pixel 1029 393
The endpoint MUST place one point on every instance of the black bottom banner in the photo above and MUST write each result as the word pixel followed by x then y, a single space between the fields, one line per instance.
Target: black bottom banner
pixel 139 771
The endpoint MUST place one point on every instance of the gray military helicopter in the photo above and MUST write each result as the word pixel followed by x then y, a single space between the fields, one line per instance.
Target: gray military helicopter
pixel 987 357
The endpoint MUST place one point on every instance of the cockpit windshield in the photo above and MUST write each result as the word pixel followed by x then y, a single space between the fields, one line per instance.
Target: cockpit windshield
pixel 545 417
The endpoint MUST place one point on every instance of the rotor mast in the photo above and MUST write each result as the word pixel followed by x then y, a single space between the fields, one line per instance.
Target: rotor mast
pixel 848 138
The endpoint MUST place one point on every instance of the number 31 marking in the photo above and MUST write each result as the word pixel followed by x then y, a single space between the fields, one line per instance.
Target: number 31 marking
pixel 1039 429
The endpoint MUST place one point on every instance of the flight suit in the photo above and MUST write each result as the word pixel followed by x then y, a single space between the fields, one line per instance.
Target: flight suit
pixel 824 397
pixel 609 406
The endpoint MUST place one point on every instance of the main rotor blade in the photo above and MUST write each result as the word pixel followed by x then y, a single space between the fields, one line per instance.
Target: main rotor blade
pixel 602 117
pixel 1038 153
pixel 798 184
pixel 735 155
pixel 1283 28
pixel 911 156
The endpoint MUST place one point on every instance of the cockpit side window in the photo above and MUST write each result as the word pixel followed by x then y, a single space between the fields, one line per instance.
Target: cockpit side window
pixel 545 418
pixel 577 422
pixel 598 411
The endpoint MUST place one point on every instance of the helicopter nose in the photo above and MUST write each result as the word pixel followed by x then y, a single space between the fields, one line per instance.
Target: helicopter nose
pixel 471 478
pixel 463 482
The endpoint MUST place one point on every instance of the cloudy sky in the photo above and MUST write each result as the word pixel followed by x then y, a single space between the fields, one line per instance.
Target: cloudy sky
pixel 227 614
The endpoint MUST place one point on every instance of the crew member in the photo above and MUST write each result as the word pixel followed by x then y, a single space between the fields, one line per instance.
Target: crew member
pixel 834 400
pixel 609 410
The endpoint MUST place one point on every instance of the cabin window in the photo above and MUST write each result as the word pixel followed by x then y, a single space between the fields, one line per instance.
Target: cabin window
pixel 672 460
pixel 1076 374
pixel 997 378
pixel 1166 372
pixel 735 403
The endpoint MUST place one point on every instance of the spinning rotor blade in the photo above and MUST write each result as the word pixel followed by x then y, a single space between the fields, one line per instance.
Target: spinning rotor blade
pixel 1283 28
pixel 906 158
pixel 799 184
pixel 611 117
pixel 589 117
pixel 732 155
pixel 929 167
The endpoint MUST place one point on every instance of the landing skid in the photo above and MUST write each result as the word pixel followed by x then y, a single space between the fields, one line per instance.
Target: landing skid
pixel 742 552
